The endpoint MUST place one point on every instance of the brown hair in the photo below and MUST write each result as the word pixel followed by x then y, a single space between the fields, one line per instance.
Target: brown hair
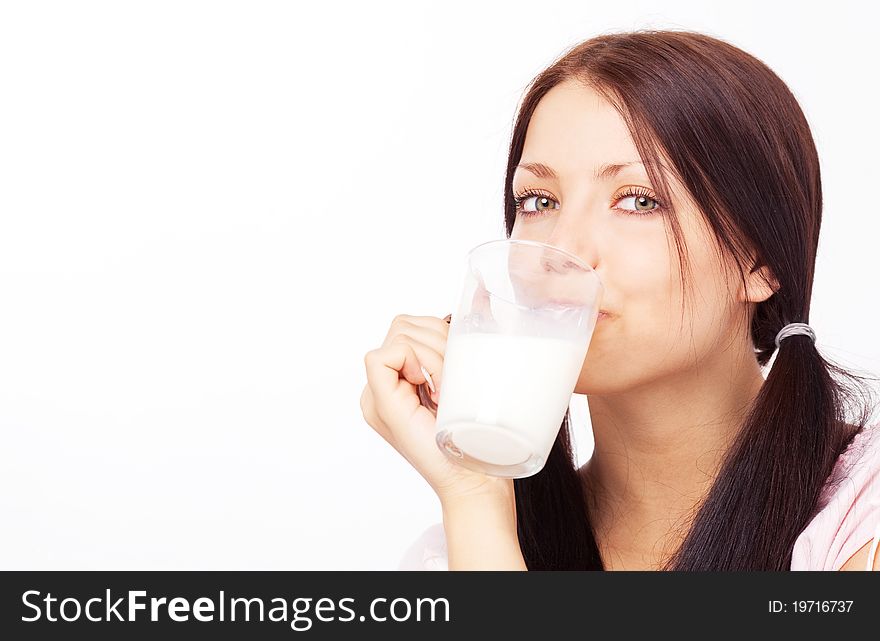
pixel 739 142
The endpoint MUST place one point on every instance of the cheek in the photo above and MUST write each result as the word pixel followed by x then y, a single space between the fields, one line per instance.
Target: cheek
pixel 641 274
pixel 632 351
pixel 641 343
pixel 652 338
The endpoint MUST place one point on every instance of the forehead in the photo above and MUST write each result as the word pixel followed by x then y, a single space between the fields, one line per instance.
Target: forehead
pixel 576 131
pixel 574 126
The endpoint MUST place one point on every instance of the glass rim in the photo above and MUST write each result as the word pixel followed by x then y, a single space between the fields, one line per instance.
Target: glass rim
pixel 545 246
pixel 534 243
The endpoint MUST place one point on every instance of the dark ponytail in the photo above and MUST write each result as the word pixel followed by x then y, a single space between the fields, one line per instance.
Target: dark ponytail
pixel 774 472
pixel 738 138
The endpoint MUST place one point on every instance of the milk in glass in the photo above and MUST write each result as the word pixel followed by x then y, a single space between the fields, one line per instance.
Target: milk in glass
pixel 503 396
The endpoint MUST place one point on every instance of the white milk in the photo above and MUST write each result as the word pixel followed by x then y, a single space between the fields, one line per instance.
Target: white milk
pixel 503 397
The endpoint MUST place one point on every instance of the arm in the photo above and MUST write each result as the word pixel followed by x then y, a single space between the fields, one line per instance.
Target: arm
pixel 481 533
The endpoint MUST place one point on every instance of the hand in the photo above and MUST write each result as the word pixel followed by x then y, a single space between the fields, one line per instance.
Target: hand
pixel 391 406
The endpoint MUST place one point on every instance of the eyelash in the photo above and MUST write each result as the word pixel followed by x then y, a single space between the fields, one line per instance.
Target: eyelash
pixel 629 191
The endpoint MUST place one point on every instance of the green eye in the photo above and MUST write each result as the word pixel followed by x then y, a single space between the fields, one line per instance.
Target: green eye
pixel 542 203
pixel 643 201
pixel 640 204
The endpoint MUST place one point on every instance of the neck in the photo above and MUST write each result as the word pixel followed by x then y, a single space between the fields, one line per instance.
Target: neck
pixel 658 449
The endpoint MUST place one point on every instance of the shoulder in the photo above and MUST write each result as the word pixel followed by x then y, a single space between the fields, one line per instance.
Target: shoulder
pixel 427 552
pixel 847 516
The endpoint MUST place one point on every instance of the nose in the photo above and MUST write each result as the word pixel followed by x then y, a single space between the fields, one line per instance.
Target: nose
pixel 567 281
pixel 581 243
pixel 557 263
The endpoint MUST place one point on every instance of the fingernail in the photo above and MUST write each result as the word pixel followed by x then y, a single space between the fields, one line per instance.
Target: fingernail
pixel 428 379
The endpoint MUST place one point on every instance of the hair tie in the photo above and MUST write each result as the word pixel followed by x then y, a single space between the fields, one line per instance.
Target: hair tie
pixel 792 329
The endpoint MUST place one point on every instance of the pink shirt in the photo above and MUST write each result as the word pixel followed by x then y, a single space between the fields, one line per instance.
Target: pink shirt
pixel 846 517
pixel 848 513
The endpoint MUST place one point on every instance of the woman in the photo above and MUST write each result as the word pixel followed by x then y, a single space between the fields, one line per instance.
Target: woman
pixel 699 462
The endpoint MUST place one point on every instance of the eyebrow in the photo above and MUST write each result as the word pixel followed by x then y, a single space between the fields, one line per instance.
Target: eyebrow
pixel 604 172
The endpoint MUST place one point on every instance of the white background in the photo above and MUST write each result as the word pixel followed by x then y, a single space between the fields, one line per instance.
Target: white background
pixel 212 210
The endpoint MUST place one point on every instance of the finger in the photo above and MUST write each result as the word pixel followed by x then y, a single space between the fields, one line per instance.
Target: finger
pixel 430 360
pixel 368 409
pixel 430 337
pixel 394 371
pixel 410 424
pixel 432 322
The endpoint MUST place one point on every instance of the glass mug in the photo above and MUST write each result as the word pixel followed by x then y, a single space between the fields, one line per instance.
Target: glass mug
pixel 514 351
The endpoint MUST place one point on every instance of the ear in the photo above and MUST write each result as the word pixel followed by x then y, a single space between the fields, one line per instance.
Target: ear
pixel 761 284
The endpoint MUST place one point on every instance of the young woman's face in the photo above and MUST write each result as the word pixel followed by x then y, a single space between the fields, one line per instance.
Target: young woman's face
pixel 600 206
